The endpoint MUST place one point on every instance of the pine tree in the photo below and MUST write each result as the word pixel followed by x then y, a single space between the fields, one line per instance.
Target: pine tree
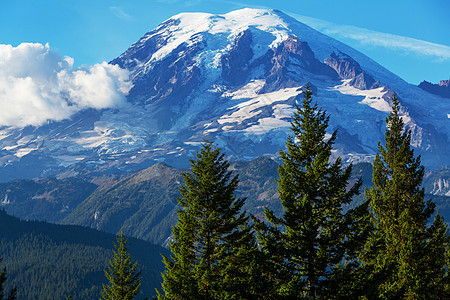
pixel 307 244
pixel 3 277
pixel 122 273
pixel 212 243
pixel 405 256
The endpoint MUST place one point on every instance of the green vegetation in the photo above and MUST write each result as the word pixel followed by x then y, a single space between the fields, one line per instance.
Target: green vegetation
pixel 46 199
pixel 144 204
pixel 327 244
pixel 48 261
pixel 212 243
pixel 404 255
pixel 306 244
pixel 122 273
pixel 3 277
pixel 257 184
pixel 317 237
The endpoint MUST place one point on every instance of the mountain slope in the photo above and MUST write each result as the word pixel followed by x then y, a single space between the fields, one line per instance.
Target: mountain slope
pixel 235 78
pixel 47 199
pixel 47 261
pixel 144 203
pixel 441 89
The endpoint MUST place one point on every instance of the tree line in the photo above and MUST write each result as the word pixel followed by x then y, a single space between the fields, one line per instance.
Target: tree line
pixel 386 248
pixel 50 261
pixel 392 246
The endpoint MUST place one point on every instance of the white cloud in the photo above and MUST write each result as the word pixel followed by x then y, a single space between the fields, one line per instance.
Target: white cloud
pixel 380 39
pixel 120 13
pixel 38 85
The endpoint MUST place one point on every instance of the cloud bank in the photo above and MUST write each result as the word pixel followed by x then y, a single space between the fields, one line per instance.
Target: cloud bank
pixel 38 85
pixel 380 39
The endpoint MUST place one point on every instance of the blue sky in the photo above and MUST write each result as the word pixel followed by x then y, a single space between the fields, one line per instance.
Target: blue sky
pixel 411 38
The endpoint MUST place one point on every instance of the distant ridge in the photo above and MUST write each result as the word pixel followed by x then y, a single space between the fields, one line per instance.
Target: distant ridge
pixel 69 260
pixel 441 89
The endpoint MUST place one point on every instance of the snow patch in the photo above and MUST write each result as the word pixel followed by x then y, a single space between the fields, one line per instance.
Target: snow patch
pixel 282 111
pixel 373 98
pixel 251 108
pixel 250 90
pixel 229 25
pixel 5 200
pixel 24 151
pixel 265 125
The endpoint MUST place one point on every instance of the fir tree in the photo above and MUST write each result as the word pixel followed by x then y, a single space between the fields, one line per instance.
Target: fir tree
pixel 307 244
pixel 122 273
pixel 404 256
pixel 3 277
pixel 212 244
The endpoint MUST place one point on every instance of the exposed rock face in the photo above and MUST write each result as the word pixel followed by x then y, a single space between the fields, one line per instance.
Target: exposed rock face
pixel 292 54
pixel 234 78
pixel 235 63
pixel 146 46
pixel 441 89
pixel 169 81
pixel 347 68
pixel 363 81
pixel 176 76
pixel 444 83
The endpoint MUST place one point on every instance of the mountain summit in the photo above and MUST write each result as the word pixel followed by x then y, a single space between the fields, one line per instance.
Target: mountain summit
pixel 235 78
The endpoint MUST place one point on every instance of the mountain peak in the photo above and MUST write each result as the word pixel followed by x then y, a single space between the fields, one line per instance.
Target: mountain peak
pixel 184 27
pixel 235 78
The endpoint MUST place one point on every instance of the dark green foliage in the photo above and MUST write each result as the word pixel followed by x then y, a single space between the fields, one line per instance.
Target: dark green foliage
pixel 122 274
pixel 46 199
pixel 3 277
pixel 307 244
pixel 404 256
pixel 143 204
pixel 212 245
pixel 48 261
pixel 257 183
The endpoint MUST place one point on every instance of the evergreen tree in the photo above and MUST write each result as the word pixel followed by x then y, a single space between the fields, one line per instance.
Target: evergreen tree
pixel 405 256
pixel 212 243
pixel 307 244
pixel 122 273
pixel 3 277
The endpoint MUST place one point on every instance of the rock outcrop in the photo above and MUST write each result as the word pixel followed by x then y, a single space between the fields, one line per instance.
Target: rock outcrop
pixel 442 88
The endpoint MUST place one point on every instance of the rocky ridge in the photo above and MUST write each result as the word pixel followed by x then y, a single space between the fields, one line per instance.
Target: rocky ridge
pixel 234 78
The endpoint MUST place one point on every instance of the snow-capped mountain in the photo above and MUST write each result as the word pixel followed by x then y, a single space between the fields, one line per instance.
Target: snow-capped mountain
pixel 235 78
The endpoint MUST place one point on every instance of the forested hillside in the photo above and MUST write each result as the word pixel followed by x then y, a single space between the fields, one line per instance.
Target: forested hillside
pixel 67 260
pixel 145 202
pixel 45 199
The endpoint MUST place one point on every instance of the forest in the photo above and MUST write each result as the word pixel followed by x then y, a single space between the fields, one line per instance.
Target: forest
pixel 391 245
pixel 49 261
